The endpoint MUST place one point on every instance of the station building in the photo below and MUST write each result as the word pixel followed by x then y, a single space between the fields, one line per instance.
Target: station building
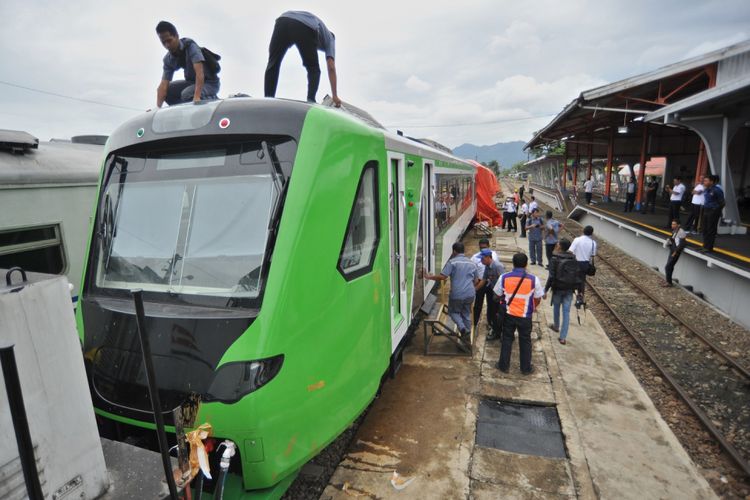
pixel 687 119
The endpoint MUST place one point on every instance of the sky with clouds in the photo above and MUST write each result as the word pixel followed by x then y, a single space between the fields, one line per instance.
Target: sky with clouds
pixel 473 71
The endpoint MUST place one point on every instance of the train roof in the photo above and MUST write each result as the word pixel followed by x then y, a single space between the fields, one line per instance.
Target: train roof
pixel 247 115
pixel 53 162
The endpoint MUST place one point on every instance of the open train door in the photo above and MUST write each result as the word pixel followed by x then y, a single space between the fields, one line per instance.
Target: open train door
pixel 397 238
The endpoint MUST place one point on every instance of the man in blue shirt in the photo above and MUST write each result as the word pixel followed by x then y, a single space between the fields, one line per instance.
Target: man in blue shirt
pixel 534 230
pixel 551 235
pixel 309 34
pixel 713 204
pixel 199 83
pixel 464 277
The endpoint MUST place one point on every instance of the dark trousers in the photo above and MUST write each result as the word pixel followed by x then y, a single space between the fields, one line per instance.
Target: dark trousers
pixel 180 91
pixel 711 218
pixel 523 226
pixel 549 248
pixel 288 32
pixel 629 202
pixel 588 198
pixel 482 296
pixel 506 219
pixel 512 222
pixel 479 300
pixel 671 261
pixel 650 200
pixel 584 267
pixel 695 218
pixel 674 212
pixel 523 325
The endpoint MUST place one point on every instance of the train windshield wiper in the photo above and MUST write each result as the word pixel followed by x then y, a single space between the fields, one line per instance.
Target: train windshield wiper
pixel 278 175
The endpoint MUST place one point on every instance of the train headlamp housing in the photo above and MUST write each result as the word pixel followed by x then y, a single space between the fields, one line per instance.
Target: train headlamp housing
pixel 235 380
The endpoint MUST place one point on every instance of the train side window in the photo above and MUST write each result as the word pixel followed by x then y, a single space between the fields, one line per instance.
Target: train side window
pixel 38 249
pixel 363 231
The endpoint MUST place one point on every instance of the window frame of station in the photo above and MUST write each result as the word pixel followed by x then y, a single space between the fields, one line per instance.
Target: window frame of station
pixel 352 275
pixel 58 241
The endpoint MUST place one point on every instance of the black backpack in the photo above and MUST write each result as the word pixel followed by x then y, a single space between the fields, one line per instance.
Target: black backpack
pixel 567 274
pixel 211 59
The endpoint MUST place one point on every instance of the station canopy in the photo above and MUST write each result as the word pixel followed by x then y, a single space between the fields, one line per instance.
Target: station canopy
pixel 622 106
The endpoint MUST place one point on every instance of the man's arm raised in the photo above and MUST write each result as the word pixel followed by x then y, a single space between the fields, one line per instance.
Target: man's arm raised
pixel 332 78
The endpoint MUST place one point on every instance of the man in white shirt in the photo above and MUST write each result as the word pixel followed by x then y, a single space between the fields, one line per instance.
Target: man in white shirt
pixel 676 193
pixel 510 209
pixel 533 205
pixel 696 208
pixel 524 215
pixel 629 195
pixel 588 189
pixel 584 248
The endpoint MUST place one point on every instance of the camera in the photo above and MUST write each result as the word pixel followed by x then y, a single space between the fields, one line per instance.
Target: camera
pixel 579 302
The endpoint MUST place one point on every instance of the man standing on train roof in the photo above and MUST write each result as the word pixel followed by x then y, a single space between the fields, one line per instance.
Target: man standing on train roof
pixel 309 34
pixel 201 81
pixel 464 277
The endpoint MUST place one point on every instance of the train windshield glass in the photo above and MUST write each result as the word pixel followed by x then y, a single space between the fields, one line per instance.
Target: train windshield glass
pixel 186 234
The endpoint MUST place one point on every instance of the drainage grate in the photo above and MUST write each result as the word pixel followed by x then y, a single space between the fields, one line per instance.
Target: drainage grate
pixel 519 428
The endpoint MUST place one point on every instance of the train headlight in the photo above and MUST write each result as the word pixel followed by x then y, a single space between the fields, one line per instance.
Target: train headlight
pixel 234 380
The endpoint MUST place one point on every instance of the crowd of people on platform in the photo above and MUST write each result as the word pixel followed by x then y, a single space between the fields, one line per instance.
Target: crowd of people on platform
pixel 512 297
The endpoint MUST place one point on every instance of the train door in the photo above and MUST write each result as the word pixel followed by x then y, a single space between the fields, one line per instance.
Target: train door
pixel 428 216
pixel 396 222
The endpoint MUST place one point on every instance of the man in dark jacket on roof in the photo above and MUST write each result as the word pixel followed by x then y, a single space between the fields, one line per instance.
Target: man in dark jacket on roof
pixel 309 34
pixel 183 53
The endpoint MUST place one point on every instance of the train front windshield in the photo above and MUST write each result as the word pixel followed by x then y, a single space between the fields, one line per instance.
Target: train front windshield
pixel 189 222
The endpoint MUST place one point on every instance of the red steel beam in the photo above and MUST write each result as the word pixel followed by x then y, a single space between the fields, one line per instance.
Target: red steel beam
pixel 610 159
pixel 642 173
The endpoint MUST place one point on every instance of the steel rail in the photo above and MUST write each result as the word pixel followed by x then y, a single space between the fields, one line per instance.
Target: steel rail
pixel 704 419
pixel 682 322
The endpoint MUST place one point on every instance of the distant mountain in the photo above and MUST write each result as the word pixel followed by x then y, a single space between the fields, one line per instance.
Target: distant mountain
pixel 506 153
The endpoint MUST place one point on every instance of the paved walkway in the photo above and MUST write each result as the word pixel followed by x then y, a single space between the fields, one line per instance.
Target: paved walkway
pixel 420 433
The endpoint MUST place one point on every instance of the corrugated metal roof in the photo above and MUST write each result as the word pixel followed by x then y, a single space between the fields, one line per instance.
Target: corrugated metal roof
pixel 737 88
pixel 667 71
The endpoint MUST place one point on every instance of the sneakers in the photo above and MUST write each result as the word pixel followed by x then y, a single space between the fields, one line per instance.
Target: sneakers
pixel 531 370
pixel 492 336
pixel 562 341
pixel 554 328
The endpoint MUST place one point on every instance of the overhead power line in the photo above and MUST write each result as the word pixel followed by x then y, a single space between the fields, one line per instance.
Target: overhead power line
pixel 491 122
pixel 63 96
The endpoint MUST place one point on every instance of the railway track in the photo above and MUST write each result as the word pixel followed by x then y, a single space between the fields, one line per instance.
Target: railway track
pixel 712 383
pixel 714 386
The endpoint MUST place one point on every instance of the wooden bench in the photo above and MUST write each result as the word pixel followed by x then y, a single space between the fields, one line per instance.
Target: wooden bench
pixel 437 323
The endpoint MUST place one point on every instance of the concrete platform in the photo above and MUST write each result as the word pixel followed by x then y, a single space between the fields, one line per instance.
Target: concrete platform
pixel 423 426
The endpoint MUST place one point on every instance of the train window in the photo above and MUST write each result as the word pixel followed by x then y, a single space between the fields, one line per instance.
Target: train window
pixel 362 232
pixel 38 249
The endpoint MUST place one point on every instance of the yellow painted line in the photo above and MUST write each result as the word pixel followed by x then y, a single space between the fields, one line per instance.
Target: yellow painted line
pixel 690 240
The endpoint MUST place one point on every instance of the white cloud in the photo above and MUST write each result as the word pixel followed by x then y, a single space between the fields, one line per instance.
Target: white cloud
pixel 417 84
pixel 437 69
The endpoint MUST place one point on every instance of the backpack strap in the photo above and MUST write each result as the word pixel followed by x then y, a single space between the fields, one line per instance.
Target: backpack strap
pixel 523 277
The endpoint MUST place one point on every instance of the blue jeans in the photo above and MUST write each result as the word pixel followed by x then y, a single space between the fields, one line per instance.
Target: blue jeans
pixel 460 312
pixel 562 298
pixel 535 251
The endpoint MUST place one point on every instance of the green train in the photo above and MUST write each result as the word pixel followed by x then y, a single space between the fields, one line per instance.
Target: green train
pixel 279 246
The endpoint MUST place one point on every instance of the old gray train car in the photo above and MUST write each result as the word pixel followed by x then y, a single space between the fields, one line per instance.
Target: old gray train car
pixel 47 192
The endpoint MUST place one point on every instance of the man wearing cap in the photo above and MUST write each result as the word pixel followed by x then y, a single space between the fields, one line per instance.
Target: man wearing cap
pixel 493 269
pixel 482 294
pixel 309 34
pixel 464 277
pixel 522 293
